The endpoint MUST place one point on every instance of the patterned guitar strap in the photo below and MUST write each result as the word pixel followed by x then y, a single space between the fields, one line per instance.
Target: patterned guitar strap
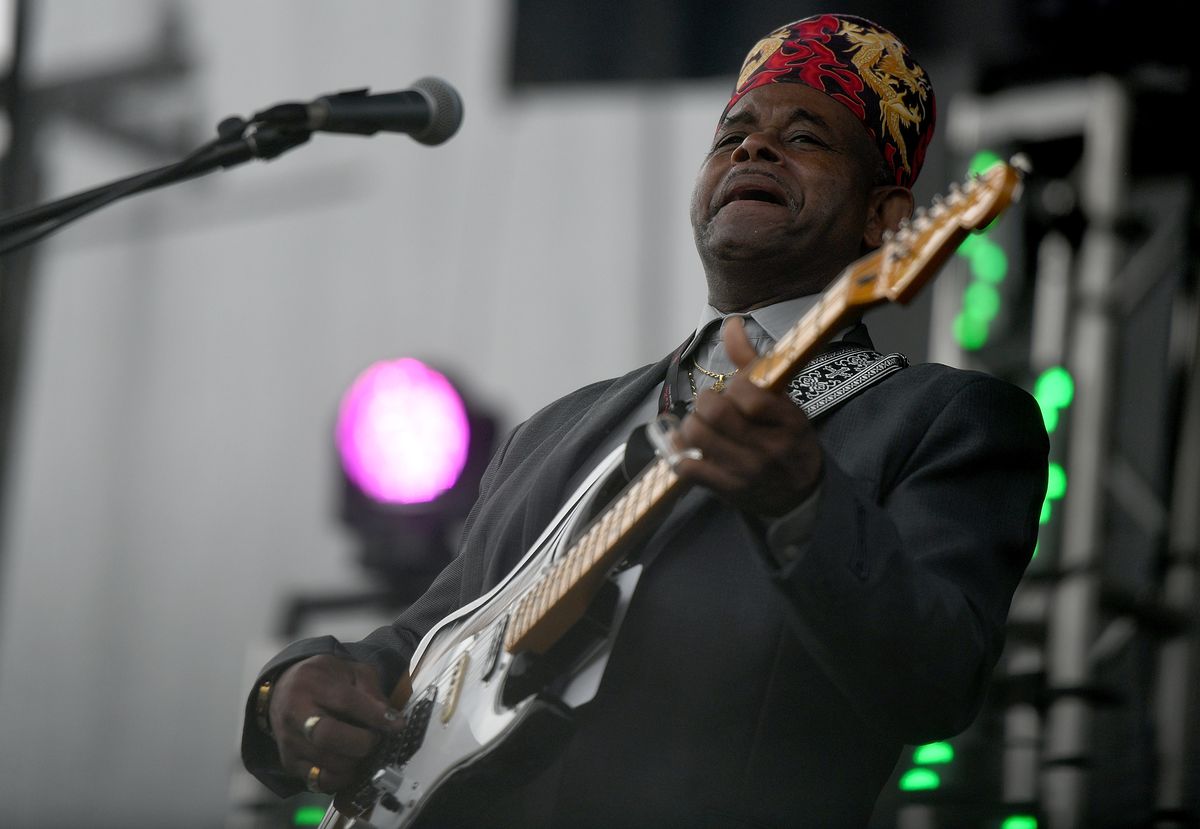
pixel 843 370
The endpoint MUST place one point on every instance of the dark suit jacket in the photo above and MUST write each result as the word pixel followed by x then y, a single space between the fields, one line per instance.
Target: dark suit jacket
pixel 744 694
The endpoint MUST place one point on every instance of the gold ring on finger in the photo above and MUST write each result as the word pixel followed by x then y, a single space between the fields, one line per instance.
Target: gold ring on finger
pixel 314 779
pixel 310 725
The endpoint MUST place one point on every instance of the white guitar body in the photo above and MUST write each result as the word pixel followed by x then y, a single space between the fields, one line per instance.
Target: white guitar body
pixel 462 720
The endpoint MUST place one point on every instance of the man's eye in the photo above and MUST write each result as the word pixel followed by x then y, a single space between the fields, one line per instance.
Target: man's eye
pixel 803 138
pixel 732 139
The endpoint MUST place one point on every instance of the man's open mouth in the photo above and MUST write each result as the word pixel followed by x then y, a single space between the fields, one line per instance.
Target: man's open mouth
pixel 757 190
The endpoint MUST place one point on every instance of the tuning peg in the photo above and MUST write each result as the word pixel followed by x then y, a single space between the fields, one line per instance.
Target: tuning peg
pixel 1021 162
pixel 888 236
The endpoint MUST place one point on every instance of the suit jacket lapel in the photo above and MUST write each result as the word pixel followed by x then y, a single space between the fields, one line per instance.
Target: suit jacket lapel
pixel 623 396
pixel 535 495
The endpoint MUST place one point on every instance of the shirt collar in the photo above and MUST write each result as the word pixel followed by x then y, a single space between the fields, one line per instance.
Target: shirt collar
pixel 775 319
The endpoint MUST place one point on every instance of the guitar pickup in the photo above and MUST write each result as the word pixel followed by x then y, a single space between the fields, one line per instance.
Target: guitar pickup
pixel 458 674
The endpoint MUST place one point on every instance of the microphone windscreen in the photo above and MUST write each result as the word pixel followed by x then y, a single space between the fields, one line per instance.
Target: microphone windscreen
pixel 446 110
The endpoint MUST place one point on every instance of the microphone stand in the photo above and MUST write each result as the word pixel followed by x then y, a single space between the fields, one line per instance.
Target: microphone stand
pixel 237 141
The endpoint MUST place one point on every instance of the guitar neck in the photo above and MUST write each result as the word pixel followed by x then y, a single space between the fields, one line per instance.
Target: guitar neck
pixel 560 596
pixel 833 312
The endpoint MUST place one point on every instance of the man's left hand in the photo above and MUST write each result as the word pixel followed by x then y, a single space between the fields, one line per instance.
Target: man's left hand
pixel 760 452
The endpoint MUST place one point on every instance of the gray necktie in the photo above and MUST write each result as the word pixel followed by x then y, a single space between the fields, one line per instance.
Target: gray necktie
pixel 710 358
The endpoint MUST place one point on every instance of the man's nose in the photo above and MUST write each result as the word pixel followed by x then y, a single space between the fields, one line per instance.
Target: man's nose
pixel 757 146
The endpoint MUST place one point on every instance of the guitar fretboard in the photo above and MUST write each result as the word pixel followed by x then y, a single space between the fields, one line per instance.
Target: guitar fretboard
pixel 589 558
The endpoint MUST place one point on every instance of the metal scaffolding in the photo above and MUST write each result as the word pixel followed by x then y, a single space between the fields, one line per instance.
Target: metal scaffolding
pixel 1081 611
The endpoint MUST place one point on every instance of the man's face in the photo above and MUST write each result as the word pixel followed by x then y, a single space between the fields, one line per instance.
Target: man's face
pixel 788 181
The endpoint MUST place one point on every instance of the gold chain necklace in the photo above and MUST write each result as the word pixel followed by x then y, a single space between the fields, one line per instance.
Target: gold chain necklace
pixel 720 378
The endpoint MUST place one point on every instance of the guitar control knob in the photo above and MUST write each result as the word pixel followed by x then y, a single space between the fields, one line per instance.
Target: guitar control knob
pixel 387 782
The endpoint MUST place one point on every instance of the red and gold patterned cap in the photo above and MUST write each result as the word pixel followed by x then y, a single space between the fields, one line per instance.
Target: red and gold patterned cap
pixel 864 67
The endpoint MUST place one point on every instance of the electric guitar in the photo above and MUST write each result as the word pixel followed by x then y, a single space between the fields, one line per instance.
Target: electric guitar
pixel 493 684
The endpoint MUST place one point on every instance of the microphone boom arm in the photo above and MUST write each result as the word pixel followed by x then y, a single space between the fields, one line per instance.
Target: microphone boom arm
pixel 430 112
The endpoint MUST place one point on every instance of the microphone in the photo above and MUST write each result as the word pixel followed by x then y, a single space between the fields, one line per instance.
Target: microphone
pixel 430 112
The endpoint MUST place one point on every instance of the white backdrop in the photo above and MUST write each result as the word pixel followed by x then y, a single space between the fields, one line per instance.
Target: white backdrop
pixel 174 472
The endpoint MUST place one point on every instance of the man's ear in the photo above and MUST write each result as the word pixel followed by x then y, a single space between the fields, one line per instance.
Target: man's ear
pixel 887 205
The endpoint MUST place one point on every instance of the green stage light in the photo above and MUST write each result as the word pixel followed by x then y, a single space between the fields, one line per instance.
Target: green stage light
pixel 969 243
pixel 920 780
pixel 989 262
pixel 981 301
pixel 1019 822
pixel 1056 387
pixel 1056 487
pixel 308 816
pixel 1050 416
pixel 1056 482
pixel 983 161
pixel 1053 390
pixel 970 331
pixel 932 754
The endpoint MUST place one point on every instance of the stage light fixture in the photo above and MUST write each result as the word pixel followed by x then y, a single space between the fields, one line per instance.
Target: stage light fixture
pixel 403 432
pixel 412 451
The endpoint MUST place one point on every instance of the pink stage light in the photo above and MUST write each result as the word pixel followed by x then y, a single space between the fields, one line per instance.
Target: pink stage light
pixel 402 432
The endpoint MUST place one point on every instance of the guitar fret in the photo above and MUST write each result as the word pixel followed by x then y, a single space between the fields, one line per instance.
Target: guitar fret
pixel 569 566
pixel 563 581
pixel 611 526
pixel 628 504
pixel 638 506
pixel 531 613
pixel 577 556
pixel 583 549
pixel 539 606
pixel 646 496
pixel 556 584
pixel 530 608
pixel 547 597
pixel 516 626
pixel 618 526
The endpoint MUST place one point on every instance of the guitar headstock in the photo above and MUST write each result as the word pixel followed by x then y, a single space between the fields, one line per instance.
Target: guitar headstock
pixel 911 256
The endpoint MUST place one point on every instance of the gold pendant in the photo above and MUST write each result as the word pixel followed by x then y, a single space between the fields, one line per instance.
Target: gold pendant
pixel 720 384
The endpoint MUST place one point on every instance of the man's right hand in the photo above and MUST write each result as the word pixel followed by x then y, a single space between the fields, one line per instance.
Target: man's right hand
pixel 345 712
